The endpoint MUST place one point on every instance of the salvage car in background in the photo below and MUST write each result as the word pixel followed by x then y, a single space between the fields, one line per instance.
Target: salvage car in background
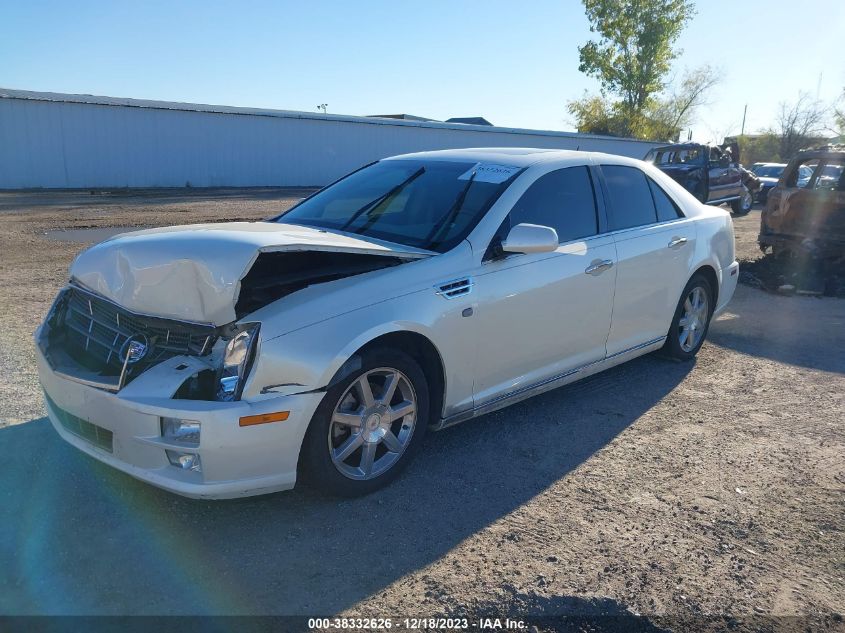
pixel 709 172
pixel 221 360
pixel 806 214
pixel 769 174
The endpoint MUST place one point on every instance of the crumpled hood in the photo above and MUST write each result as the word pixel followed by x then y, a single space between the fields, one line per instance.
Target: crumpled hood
pixel 193 272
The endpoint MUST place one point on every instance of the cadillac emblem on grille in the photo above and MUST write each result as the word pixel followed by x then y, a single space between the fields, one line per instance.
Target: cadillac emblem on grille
pixel 134 349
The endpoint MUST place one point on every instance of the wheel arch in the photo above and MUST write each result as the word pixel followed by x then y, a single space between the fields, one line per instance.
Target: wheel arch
pixel 417 346
pixel 709 273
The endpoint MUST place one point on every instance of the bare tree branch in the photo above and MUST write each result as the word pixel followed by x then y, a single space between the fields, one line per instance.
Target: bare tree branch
pixel 799 124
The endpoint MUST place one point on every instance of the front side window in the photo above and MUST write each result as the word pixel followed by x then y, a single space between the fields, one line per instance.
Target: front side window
pixel 631 203
pixel 426 204
pixel 563 200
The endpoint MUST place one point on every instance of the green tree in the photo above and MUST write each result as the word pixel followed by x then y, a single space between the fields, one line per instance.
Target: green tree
pixel 662 118
pixel 676 108
pixel 759 148
pixel 633 52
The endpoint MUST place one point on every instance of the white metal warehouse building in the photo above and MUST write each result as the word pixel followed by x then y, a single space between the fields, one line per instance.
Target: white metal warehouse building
pixel 51 140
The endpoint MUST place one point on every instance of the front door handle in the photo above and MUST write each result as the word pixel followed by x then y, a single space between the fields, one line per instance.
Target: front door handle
pixel 677 242
pixel 598 266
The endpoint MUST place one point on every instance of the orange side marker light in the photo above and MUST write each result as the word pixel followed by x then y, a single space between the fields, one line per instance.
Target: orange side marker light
pixel 264 418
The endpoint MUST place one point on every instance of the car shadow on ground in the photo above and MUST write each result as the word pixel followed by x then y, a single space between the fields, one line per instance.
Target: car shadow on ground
pixel 566 614
pixel 803 331
pixel 77 537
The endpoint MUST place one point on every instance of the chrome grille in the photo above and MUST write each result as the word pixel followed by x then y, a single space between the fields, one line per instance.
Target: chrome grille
pixel 98 329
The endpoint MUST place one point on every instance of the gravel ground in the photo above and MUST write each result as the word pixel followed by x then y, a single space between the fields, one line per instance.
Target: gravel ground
pixel 699 495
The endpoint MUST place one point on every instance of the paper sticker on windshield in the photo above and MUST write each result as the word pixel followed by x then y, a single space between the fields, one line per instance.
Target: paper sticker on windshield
pixel 488 172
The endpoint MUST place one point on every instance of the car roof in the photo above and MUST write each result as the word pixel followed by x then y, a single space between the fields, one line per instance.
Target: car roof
pixel 514 156
pixel 821 152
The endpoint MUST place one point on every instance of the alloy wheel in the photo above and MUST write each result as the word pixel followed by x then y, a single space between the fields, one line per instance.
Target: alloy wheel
pixel 747 201
pixel 372 423
pixel 693 322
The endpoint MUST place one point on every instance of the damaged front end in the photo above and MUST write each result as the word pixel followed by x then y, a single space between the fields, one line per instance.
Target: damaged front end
pixel 93 340
pixel 277 274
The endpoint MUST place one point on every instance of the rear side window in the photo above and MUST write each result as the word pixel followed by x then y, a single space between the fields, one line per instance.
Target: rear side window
pixel 666 209
pixel 563 200
pixel 631 203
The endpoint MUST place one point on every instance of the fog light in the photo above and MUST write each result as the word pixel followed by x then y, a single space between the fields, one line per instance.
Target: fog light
pixel 178 431
pixel 185 461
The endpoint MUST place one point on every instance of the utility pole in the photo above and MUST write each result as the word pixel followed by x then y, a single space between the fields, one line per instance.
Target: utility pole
pixel 744 111
pixel 323 107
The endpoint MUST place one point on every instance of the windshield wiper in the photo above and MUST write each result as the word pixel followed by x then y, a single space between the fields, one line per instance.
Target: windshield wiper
pixel 381 199
pixel 448 219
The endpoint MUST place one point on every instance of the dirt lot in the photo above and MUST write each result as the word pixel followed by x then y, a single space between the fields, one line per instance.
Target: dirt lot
pixel 708 494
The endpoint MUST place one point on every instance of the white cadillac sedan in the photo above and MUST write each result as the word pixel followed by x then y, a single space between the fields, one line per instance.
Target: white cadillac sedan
pixel 225 360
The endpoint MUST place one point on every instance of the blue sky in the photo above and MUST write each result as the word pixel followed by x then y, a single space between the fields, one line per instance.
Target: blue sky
pixel 515 63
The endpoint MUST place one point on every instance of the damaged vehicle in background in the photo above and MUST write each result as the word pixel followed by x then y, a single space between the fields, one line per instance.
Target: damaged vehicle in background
pixel 805 211
pixel 769 174
pixel 225 360
pixel 709 172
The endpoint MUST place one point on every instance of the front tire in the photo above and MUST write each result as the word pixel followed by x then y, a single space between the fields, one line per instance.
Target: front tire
pixel 368 426
pixel 691 320
pixel 742 206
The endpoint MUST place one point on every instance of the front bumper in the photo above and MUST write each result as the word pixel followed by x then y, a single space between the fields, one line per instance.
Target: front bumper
pixel 236 461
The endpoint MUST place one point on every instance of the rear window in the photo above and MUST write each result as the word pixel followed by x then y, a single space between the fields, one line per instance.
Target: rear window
pixel 831 176
pixel 631 202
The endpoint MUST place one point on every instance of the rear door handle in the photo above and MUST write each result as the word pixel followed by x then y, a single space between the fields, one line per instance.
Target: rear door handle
pixel 677 242
pixel 598 266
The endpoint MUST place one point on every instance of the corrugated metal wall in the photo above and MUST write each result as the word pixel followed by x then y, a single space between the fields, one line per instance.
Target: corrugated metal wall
pixel 57 144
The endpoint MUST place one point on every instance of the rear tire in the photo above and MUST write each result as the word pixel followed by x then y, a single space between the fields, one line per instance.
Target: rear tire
pixel 742 206
pixel 368 426
pixel 691 320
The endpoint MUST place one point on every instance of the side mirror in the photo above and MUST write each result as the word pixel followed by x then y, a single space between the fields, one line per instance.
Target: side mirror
pixel 531 238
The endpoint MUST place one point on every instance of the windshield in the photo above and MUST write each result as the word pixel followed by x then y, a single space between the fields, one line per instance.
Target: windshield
pixel 425 204
pixel 769 171
pixel 674 156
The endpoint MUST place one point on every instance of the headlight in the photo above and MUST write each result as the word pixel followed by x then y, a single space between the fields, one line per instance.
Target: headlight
pixel 237 359
pixel 180 431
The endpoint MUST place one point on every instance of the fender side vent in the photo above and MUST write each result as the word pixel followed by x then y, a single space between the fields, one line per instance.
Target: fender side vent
pixel 455 288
